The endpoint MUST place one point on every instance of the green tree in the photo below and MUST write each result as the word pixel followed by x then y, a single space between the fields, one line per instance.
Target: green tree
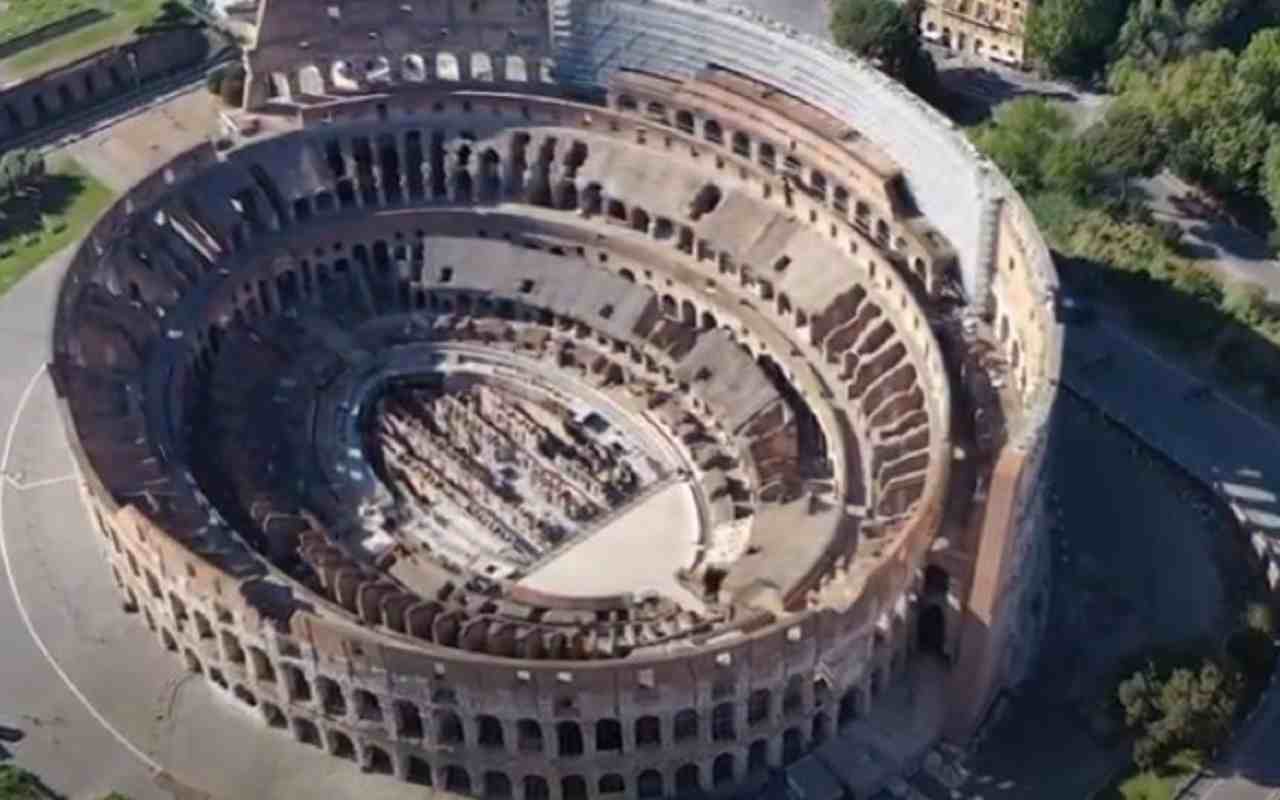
pixel 1029 139
pixel 1258 72
pixel 1127 144
pixel 18 784
pixel 1177 710
pixel 884 32
pixel 1071 37
pixel 19 169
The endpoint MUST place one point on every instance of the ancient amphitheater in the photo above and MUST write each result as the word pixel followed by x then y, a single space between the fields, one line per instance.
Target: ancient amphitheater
pixel 570 399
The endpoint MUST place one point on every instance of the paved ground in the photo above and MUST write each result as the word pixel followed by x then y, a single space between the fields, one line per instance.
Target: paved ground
pixel 1136 564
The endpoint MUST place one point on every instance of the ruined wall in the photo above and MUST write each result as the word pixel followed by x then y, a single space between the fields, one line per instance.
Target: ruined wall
pixel 49 98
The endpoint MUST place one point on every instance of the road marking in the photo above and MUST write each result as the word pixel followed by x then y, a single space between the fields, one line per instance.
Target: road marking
pixel 22 609
pixel 22 487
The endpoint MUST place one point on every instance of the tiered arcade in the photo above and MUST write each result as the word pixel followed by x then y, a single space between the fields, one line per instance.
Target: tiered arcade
pixel 290 370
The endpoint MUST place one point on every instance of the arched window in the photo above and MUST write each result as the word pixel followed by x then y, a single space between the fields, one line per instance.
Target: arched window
pixel 792 745
pixel 536 788
pixel 758 756
pixel 686 725
pixel 712 132
pixel 448 727
pixel 688 779
pixel 378 761
pixel 608 735
pixel 529 736
pixel 447 67
pixel 722 770
pixel 457 779
pixel 793 699
pixel 649 784
pixel 612 784
pixel 489 732
pixel 741 144
pixel 758 706
pixel 340 745
pixel 497 785
pixel 684 121
pixel 569 737
pixel 723 728
pixel 574 787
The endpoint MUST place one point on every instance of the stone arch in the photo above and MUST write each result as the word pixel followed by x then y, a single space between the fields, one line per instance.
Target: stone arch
pixel 529 736
pixel 722 770
pixel 418 771
pixel 448 727
pixel 608 735
pixel 193 661
pixel 792 745
pixel 331 697
pixel 649 785
pixel 793 696
pixel 310 81
pixel 686 725
pixel 342 76
pixel 497 785
pixel 573 787
pixel 758 706
pixel 612 783
pixel 368 706
pixel 688 780
pixel 457 779
pixel 298 687
pixel 684 120
pixel 408 720
pixel 516 69
pixel 536 788
pixel 850 706
pixel 305 731
pixel 931 630
pixel 723 728
pixel 648 732
pixel 413 68
pixel 489 732
pixel 341 745
pixel 273 716
pixel 712 132
pixel 741 144
pixel 821 728
pixel 758 756
pixel 481 67
pixel 447 68
pixel 378 761
pixel 569 738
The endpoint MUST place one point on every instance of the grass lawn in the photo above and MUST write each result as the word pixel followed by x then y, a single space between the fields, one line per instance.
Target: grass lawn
pixel 40 223
pixel 126 16
pixel 1157 785
pixel 24 16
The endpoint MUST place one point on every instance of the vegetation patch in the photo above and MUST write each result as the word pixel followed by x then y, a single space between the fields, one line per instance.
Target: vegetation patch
pixel 127 16
pixel 43 213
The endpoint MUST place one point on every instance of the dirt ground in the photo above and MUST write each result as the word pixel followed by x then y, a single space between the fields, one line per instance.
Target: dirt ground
pixel 134 147
pixel 1142 557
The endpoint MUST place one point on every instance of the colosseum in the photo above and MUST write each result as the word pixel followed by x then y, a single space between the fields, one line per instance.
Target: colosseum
pixel 572 399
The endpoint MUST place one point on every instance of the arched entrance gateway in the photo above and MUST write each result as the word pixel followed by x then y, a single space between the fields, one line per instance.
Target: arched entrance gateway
pixel 628 414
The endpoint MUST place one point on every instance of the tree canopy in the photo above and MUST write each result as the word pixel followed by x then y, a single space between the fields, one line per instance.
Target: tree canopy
pixel 1176 710
pixel 1071 37
pixel 1030 139
pixel 19 169
pixel 884 32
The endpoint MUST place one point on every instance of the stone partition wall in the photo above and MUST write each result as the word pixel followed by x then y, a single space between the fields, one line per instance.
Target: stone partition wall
pixel 47 99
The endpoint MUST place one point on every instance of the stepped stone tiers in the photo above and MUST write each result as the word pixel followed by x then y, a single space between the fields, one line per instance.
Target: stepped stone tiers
pixel 570 399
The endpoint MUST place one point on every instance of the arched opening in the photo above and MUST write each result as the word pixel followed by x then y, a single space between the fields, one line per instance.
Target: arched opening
pixel 418 771
pixel 342 77
pixel 574 787
pixel 516 69
pixel 481 67
pixel 447 67
pixel 497 785
pixel 686 725
pixel 489 732
pixel 793 699
pixel 536 788
pixel 722 770
pixel 758 756
pixel 274 717
pixel 821 728
pixel 408 720
pixel 722 723
pixel 931 630
pixel 378 761
pixel 688 780
pixel 850 706
pixel 448 727
pixel 608 735
pixel 648 732
pixel 649 784
pixel 413 68
pixel 741 144
pixel 792 746
pixel 193 662
pixel 331 696
pixel 306 732
pixel 569 737
pixel 529 736
pixel 341 746
pixel 310 81
pixel 684 121
pixel 937 582
pixel 368 707
pixel 758 707
pixel 712 132
pixel 457 779
pixel 245 696
pixel 612 784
